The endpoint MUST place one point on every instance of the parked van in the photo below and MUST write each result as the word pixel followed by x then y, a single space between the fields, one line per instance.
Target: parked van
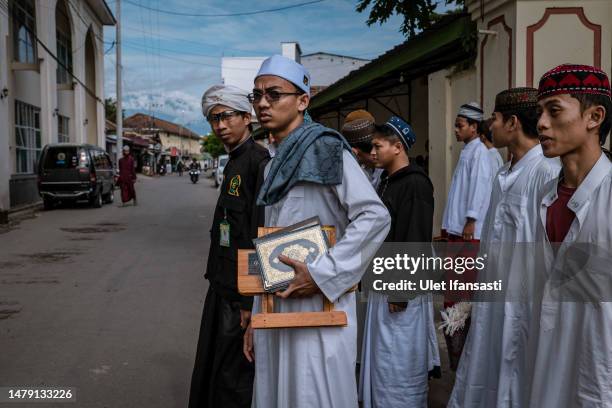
pixel 75 172
pixel 223 159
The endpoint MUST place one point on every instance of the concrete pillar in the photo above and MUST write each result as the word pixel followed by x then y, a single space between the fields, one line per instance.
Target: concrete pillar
pixel 440 140
pixel 101 116
pixel 45 23
pixel 78 63
pixel 5 160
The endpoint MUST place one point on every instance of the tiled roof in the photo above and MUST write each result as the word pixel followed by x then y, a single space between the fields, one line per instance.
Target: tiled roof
pixel 142 121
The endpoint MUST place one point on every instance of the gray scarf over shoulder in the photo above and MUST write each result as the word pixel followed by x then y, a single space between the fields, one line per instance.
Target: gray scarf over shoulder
pixel 311 153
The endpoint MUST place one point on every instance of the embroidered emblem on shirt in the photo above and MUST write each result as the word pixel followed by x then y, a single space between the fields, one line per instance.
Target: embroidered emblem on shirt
pixel 234 184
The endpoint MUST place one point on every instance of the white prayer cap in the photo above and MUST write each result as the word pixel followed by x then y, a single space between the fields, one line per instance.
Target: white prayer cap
pixel 226 95
pixel 472 111
pixel 126 148
pixel 288 69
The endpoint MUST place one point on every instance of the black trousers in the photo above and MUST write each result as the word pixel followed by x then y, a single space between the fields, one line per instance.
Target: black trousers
pixel 222 376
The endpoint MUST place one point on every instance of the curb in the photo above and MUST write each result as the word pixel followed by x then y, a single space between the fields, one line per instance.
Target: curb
pixel 24 210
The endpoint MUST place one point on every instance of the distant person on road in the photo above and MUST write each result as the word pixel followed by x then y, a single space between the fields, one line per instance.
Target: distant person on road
pixel 127 177
pixel 194 165
pixel 180 168
pixel 222 376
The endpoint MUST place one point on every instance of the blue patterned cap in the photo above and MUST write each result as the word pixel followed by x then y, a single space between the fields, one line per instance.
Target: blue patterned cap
pixel 402 130
pixel 288 69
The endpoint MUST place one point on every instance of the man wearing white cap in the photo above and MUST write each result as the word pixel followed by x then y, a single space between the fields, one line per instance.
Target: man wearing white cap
pixel 466 208
pixel 312 174
pixel 222 376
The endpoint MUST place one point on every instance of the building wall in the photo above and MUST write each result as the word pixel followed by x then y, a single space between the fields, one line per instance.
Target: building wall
pixel 38 87
pixel 184 144
pixel 447 91
pixel 326 69
pixel 534 36
pixel 240 71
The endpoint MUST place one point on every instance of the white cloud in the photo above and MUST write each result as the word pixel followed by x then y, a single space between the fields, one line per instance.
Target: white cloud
pixel 176 80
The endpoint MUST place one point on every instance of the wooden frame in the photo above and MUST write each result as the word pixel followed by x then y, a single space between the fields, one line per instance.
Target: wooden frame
pixel 251 285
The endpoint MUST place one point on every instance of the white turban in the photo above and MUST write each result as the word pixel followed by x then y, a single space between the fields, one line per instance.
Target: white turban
pixel 472 111
pixel 226 95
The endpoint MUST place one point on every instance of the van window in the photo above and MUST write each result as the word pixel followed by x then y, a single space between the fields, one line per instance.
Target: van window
pixel 223 161
pixel 61 158
pixel 96 159
pixel 107 162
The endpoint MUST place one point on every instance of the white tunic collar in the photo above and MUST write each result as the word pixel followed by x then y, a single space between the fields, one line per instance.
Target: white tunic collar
pixel 584 191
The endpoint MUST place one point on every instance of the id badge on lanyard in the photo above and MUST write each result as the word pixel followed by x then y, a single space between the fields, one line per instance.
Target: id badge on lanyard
pixel 224 231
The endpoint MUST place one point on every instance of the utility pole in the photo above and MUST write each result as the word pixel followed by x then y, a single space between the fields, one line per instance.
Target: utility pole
pixel 118 69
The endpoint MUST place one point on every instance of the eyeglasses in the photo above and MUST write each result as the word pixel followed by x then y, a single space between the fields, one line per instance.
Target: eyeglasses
pixel 223 116
pixel 271 96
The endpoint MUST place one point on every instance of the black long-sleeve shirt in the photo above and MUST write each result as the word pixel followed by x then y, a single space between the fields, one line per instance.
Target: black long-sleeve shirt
pixel 408 195
pixel 243 176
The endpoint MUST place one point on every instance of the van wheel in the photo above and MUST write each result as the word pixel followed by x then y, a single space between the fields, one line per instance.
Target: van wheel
pixel 110 197
pixel 48 203
pixel 96 201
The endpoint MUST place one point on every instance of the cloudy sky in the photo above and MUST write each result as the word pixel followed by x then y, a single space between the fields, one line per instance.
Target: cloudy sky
pixel 170 60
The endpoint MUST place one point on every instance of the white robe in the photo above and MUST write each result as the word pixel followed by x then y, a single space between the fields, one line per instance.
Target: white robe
pixel 491 369
pixel 571 342
pixel 399 350
pixel 470 189
pixel 496 160
pixel 374 176
pixel 315 367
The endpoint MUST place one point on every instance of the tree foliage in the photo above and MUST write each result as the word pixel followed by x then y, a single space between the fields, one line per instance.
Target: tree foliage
pixel 110 109
pixel 418 14
pixel 212 144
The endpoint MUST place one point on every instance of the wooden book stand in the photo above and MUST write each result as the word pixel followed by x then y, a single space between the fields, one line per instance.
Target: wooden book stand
pixel 251 285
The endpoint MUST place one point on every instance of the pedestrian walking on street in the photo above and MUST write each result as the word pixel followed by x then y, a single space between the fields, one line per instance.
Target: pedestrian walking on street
pixel 222 376
pixel 127 176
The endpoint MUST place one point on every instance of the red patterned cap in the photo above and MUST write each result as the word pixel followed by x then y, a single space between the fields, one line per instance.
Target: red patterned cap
pixel 574 79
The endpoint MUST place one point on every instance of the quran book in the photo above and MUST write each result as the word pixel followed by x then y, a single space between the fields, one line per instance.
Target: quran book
pixel 303 242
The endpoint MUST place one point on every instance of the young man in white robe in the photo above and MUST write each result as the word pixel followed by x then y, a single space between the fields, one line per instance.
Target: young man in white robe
pixel 466 208
pixel 312 174
pixel 571 340
pixel 491 369
pixel 400 345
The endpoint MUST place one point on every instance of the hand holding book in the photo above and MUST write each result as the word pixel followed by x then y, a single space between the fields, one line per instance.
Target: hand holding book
pixel 302 284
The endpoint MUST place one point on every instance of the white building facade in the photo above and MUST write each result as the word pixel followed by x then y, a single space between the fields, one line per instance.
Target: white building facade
pixel 51 85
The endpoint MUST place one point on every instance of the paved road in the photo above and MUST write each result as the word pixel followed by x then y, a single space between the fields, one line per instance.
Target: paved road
pixel 108 300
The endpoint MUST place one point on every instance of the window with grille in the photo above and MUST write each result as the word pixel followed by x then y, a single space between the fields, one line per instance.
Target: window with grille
pixel 64 46
pixel 64 55
pixel 24 31
pixel 27 137
pixel 62 129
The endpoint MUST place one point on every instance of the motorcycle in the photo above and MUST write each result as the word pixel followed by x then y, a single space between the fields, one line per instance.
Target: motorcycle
pixel 194 174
